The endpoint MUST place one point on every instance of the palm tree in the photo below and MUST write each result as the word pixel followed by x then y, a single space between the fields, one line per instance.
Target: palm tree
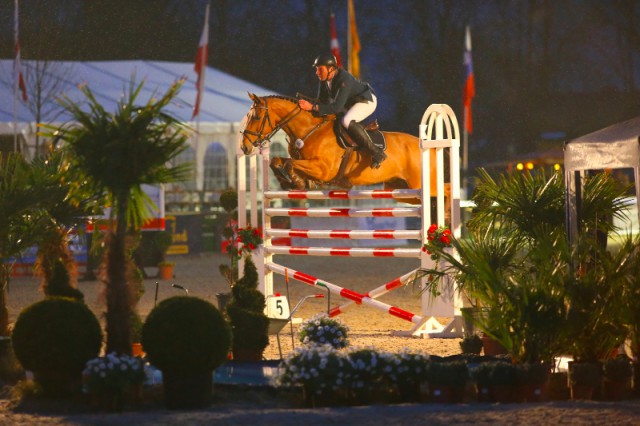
pixel 118 152
pixel 70 204
pixel 26 192
pixel 536 290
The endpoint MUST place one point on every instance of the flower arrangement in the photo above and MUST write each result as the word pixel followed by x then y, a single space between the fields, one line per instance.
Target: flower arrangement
pixel 320 369
pixel 438 237
pixel 321 330
pixel 250 238
pixel 113 373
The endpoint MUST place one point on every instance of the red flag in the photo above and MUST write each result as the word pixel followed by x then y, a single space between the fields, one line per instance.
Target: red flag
pixel 335 47
pixel 469 86
pixel 201 61
pixel 17 69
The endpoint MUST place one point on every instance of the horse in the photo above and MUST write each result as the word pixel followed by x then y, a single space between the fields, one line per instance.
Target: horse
pixel 316 160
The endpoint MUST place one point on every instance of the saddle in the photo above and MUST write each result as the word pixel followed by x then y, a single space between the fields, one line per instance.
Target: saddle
pixel 372 128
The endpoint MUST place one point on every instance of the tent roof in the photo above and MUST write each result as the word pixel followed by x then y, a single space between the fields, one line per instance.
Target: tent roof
pixel 225 98
pixel 616 146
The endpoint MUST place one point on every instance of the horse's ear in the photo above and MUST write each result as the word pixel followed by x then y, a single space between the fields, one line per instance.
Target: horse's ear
pixel 252 96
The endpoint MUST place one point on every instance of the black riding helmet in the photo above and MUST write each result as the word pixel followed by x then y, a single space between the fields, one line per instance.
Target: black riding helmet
pixel 326 59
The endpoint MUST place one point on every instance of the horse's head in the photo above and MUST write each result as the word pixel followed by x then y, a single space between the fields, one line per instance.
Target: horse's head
pixel 258 126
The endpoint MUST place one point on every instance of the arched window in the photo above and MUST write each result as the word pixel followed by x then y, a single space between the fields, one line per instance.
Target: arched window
pixel 216 168
pixel 188 156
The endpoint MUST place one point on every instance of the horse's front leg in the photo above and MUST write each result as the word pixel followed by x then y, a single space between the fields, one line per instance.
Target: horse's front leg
pixel 286 174
pixel 319 170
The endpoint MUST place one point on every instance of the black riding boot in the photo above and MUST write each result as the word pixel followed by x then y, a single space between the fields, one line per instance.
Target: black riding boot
pixel 361 137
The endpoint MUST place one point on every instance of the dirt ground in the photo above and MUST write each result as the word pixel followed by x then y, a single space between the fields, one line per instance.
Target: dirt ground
pixel 368 327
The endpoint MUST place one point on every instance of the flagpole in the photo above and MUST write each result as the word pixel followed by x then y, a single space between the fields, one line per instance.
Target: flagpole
pixel 15 82
pixel 200 67
pixel 465 157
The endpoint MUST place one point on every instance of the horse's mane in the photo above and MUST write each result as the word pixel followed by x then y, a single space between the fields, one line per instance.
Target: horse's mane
pixel 283 97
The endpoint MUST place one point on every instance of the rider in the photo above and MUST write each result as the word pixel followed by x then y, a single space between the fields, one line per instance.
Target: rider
pixel 341 92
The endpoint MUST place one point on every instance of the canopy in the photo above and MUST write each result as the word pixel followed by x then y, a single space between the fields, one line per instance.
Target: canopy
pixel 614 147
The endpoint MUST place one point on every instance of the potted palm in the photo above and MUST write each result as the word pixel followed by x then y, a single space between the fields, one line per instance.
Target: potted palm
pixel 617 374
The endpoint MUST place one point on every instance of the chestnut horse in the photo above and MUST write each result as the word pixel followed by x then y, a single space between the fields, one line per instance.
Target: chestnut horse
pixel 317 159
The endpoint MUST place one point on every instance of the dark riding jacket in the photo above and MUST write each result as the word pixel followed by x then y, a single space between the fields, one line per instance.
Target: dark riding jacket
pixel 345 91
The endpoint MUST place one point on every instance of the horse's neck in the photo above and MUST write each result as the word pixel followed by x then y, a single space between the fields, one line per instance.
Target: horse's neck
pixel 298 126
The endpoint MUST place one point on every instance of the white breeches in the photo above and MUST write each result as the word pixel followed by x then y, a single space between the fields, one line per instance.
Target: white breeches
pixel 359 111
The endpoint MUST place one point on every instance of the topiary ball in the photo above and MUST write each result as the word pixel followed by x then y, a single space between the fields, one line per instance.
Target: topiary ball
pixel 56 335
pixel 185 334
pixel 229 200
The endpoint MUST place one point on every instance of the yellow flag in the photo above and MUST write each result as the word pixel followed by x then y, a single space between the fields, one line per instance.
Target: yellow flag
pixel 354 43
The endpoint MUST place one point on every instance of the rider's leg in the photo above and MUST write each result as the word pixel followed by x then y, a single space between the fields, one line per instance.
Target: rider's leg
pixel 350 121
pixel 361 137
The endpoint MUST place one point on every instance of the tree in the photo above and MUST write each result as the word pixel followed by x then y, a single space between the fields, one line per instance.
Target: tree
pixel 118 152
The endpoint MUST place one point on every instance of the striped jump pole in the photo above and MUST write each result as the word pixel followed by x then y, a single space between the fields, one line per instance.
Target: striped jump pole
pixel 351 295
pixel 376 292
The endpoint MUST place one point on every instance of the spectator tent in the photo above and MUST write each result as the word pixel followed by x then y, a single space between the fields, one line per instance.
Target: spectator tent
pixel 224 104
pixel 614 147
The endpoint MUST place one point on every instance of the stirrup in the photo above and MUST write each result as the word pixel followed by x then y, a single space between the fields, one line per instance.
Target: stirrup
pixel 378 159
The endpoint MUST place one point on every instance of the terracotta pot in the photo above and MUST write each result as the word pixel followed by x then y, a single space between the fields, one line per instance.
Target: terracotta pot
pixel 492 347
pixel 582 391
pixel 497 393
pixel 136 349
pixel 443 394
pixel 558 388
pixel 166 272
pixel 537 392
pixel 614 390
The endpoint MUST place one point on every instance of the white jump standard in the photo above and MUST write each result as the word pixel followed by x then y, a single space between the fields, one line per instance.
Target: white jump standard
pixel 438 131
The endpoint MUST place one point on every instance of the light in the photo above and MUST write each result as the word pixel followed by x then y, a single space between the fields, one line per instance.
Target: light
pixel 529 165
pixel 520 166
pixel 557 166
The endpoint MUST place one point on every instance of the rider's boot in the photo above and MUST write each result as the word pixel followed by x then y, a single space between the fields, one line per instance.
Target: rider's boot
pixel 361 137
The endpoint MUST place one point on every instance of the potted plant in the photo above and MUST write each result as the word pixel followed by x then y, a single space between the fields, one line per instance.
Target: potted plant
pixel 447 380
pixel 471 344
pixel 249 324
pixel 229 203
pixel 114 380
pixel 163 240
pixel 319 370
pixel 186 338
pixel 406 372
pixel 321 330
pixel 617 374
pixel 584 378
pixel 535 380
pixel 496 381
pixel 365 381
pixel 55 338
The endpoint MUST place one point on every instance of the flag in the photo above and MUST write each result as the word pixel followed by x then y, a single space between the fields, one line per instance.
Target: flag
pixel 335 47
pixel 354 43
pixel 469 91
pixel 201 62
pixel 17 69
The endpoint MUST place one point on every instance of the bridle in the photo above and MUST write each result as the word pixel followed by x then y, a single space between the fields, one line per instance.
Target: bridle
pixel 260 138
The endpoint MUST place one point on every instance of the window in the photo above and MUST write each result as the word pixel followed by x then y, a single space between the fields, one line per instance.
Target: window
pixel 216 168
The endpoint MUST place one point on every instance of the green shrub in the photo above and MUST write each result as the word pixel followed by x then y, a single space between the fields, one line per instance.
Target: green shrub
pixel 447 373
pixel 496 373
pixel 59 285
pixel 249 324
pixel 186 334
pixel 55 338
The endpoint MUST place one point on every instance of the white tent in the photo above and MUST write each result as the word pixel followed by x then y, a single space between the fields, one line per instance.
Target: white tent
pixel 224 102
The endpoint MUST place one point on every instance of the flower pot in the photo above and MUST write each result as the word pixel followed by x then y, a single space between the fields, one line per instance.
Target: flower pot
pixel 187 390
pixel 166 271
pixel 536 392
pixel 558 389
pixel 584 378
pixel 136 349
pixel 616 390
pixel 497 393
pixel 247 354
pixel 491 347
pixel 445 394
